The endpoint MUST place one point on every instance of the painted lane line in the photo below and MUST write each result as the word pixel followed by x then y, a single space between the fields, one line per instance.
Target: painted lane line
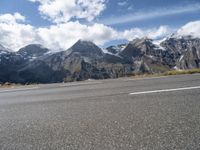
pixel 20 89
pixel 165 90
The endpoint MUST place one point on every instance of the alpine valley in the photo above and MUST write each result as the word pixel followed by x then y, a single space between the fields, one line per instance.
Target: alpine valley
pixel 85 60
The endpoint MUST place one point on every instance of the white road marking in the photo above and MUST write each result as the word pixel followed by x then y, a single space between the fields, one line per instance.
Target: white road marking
pixel 18 89
pixel 165 90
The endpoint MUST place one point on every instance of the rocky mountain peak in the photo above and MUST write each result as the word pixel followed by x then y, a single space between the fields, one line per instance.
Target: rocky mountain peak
pixel 3 49
pixel 139 42
pixel 181 44
pixel 33 50
pixel 86 48
pixel 116 49
pixel 138 47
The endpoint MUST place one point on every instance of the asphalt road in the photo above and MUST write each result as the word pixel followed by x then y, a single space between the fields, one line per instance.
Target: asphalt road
pixel 121 114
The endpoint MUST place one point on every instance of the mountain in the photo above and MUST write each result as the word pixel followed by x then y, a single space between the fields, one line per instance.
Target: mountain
pixel 184 52
pixel 190 59
pixel 33 51
pixel 10 62
pixel 84 60
pixel 145 55
pixel 3 49
pixel 116 49
pixel 73 64
pixel 138 47
pixel 86 49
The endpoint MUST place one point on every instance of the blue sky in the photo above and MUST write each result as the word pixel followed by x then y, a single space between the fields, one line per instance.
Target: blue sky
pixel 117 8
pixel 150 6
pixel 110 15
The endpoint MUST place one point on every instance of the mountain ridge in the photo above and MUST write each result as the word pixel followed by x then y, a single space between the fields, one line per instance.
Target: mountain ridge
pixel 84 60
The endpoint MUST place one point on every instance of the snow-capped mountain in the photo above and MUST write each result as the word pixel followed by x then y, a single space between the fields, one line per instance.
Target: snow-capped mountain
pixel 116 49
pixel 85 60
pixel 33 51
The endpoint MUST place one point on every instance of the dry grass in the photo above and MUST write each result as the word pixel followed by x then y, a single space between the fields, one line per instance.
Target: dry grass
pixel 168 73
pixel 179 72
pixel 13 85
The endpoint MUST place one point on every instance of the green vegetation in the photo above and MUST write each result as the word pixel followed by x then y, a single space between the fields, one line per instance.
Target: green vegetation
pixel 159 68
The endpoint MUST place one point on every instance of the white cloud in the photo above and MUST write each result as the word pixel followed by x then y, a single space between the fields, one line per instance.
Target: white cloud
pixel 191 28
pixel 13 32
pixel 159 33
pixel 155 33
pixel 122 3
pixel 15 35
pixel 132 34
pixel 65 35
pixel 151 14
pixel 9 18
pixel 61 11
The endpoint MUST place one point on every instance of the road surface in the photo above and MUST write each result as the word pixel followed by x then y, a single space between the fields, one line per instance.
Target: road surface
pixel 121 114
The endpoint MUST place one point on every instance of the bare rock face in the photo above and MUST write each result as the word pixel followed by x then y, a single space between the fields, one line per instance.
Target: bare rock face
pixel 189 59
pixel 87 49
pixel 145 55
pixel 138 48
pixel 185 52
pixel 116 49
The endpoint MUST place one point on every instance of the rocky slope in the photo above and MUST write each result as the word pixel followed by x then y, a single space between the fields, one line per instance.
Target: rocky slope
pixel 116 49
pixel 184 52
pixel 10 62
pixel 85 60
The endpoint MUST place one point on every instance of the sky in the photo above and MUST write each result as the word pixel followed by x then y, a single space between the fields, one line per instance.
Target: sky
pixel 58 24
